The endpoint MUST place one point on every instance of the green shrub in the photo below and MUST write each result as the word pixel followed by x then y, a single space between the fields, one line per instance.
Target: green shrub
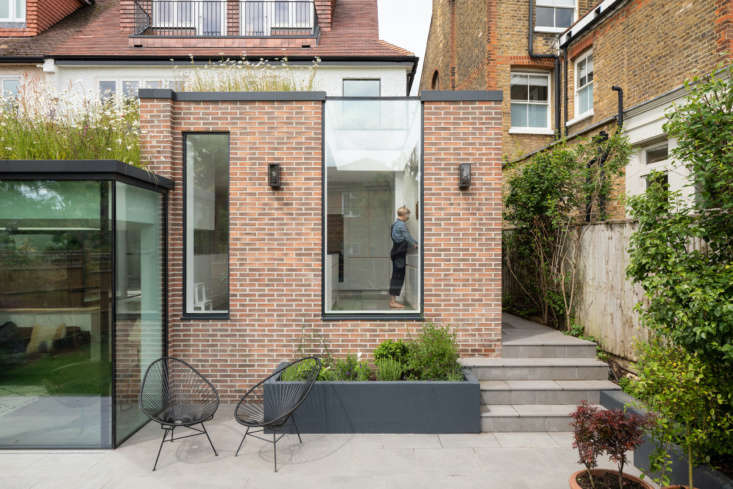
pixel 389 369
pixel 391 349
pixel 350 368
pixel 433 355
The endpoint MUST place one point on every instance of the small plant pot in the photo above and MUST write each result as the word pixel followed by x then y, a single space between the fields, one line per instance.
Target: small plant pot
pixel 676 487
pixel 600 472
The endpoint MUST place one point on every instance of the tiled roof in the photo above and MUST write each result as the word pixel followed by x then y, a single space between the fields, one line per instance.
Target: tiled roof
pixel 94 31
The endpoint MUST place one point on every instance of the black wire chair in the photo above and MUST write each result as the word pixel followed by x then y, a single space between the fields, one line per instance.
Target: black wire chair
pixel 174 394
pixel 273 409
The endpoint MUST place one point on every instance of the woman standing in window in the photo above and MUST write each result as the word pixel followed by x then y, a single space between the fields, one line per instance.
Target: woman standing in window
pixel 401 241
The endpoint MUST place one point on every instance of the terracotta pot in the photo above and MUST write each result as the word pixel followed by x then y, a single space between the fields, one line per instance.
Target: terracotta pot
pixel 676 487
pixel 574 484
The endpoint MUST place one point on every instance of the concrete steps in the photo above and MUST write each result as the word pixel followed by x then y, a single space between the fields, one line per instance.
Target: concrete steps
pixel 502 418
pixel 541 378
pixel 520 392
pixel 537 368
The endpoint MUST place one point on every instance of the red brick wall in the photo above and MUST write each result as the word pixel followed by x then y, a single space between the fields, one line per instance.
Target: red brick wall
pixel 40 15
pixel 275 236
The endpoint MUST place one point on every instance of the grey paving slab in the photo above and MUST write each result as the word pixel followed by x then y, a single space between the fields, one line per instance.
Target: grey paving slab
pixel 469 440
pixel 525 440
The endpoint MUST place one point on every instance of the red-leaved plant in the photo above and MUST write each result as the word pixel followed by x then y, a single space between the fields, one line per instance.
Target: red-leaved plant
pixel 585 437
pixel 618 432
pixel 613 432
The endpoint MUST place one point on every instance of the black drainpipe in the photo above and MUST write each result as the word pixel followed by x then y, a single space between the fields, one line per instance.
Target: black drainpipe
pixel 620 116
pixel 530 51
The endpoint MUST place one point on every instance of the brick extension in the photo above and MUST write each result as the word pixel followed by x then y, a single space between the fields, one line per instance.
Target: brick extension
pixel 275 240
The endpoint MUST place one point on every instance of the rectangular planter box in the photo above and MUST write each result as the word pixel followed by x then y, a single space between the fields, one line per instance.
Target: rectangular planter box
pixel 704 477
pixel 389 407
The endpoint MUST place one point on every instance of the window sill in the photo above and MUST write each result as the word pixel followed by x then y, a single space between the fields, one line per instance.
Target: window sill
pixel 532 130
pixel 550 30
pixel 12 24
pixel 204 316
pixel 579 118
pixel 408 316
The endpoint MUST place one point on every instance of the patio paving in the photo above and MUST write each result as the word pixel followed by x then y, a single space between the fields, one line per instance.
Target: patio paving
pixel 512 460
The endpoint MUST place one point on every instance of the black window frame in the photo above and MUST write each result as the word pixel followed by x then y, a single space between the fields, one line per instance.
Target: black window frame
pixel 185 315
pixel 370 316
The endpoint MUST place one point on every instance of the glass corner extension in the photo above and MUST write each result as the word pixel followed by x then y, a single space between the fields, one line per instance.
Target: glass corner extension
pixel 373 192
pixel 80 309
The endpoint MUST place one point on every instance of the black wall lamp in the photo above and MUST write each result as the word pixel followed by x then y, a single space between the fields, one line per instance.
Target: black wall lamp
pixel 273 175
pixel 464 176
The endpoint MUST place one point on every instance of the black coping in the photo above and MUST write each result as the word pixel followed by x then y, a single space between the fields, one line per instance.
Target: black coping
pixel 166 93
pixel 461 95
pixel 94 168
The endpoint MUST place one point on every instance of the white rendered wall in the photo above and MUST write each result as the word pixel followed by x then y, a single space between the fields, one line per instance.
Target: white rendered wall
pixel 328 78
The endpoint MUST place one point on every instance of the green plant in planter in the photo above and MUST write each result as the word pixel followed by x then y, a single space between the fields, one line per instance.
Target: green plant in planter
pixel 351 368
pixel 585 439
pixel 389 369
pixel 392 349
pixel 619 432
pixel 679 387
pixel 433 355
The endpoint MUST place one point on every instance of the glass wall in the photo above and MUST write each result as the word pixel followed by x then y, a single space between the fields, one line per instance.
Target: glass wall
pixel 55 313
pixel 207 223
pixel 373 210
pixel 81 287
pixel 138 298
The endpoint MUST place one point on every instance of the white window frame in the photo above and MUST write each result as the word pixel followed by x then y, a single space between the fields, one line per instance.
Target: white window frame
pixel 555 4
pixel 197 16
pixel 5 78
pixel 547 130
pixel 589 113
pixel 292 15
pixel 14 17
pixel 119 96
pixel 269 19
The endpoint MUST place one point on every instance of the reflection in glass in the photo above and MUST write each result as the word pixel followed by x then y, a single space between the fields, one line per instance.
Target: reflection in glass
pixel 55 313
pixel 373 154
pixel 207 223
pixel 138 295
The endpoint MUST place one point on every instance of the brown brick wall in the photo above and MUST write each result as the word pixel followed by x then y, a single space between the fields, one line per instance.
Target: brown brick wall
pixel 275 236
pixel 40 15
pixel 650 47
pixel 483 40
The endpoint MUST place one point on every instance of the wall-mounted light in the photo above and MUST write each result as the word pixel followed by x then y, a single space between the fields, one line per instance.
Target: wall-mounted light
pixel 464 176
pixel 273 175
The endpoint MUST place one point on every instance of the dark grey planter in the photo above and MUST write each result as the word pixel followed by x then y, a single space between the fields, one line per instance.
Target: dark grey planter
pixel 704 477
pixel 389 407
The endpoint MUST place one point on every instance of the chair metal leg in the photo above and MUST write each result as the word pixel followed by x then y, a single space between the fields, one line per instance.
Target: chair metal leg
pixel 296 429
pixel 165 433
pixel 242 442
pixel 274 448
pixel 209 438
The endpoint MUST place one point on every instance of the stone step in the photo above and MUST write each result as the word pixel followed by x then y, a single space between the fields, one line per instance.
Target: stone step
pixel 549 350
pixel 544 391
pixel 536 368
pixel 507 418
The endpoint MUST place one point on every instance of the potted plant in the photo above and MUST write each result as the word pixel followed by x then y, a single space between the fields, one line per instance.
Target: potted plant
pixel 678 386
pixel 611 432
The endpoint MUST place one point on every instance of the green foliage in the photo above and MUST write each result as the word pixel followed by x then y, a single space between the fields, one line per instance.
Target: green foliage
pixel 682 252
pixel 433 355
pixel 391 349
pixel 43 124
pixel 350 368
pixel 548 197
pixel 389 369
pixel 692 406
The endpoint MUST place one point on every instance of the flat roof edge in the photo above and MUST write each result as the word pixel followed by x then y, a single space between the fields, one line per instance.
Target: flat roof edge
pixel 81 167
pixel 165 93
pixel 461 96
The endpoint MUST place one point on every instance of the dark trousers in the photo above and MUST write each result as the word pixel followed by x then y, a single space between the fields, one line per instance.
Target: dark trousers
pixel 399 264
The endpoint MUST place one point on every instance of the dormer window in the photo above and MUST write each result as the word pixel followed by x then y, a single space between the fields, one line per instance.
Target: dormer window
pixel 12 10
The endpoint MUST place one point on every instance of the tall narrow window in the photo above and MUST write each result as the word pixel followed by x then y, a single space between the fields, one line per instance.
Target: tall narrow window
pixel 554 15
pixel 207 223
pixel 107 90
pixel 373 223
pixel 12 10
pixel 530 101
pixel 584 85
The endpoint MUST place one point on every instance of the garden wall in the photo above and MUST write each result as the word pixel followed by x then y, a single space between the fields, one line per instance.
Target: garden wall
pixel 275 236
